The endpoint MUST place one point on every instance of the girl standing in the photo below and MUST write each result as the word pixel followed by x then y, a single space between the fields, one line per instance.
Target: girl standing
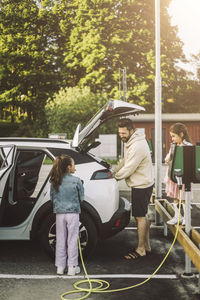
pixel 180 136
pixel 66 192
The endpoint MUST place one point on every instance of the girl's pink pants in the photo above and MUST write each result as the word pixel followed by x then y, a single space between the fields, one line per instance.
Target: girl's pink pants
pixel 67 231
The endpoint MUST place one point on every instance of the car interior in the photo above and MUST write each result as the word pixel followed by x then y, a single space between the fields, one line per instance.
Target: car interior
pixel 23 186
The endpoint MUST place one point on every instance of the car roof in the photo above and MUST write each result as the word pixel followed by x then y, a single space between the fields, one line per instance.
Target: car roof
pixel 35 142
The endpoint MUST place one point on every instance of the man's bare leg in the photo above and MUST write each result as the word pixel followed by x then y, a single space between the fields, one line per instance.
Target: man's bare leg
pixel 143 235
pixel 147 237
pixel 143 226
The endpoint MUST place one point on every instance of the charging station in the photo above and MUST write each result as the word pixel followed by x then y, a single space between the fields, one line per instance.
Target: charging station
pixel 185 163
pixel 184 168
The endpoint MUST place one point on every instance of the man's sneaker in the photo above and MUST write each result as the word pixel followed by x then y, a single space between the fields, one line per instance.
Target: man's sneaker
pixel 174 221
pixel 73 270
pixel 60 270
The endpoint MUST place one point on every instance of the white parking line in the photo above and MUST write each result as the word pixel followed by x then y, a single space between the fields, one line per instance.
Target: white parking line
pixel 155 226
pixel 152 226
pixel 130 228
pixel 24 276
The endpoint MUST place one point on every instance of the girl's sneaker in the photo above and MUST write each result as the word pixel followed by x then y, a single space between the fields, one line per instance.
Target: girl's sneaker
pixel 174 221
pixel 73 270
pixel 60 270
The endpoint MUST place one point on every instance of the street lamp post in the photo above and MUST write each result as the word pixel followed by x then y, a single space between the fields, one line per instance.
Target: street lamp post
pixel 158 108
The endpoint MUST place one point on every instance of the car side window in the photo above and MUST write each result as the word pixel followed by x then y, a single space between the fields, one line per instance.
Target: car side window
pixel 32 169
pixel 43 174
pixel 79 158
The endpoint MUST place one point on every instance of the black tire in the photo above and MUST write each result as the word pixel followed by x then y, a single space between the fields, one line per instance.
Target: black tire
pixel 48 235
pixel 87 233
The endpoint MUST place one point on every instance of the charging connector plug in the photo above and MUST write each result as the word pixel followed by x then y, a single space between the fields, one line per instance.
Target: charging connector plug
pixel 178 174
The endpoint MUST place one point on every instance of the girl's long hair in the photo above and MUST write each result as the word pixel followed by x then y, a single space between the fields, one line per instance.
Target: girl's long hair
pixel 179 128
pixel 59 169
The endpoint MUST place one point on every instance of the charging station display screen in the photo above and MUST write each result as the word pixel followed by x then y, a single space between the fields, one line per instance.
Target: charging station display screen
pixel 184 162
pixel 176 166
pixel 197 163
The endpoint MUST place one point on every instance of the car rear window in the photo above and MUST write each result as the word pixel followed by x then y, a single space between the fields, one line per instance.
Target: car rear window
pixel 79 158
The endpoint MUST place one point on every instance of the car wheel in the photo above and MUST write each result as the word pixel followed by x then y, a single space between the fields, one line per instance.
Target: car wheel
pixel 48 234
pixel 87 234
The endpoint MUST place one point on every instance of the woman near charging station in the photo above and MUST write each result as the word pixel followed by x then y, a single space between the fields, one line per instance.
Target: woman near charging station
pixel 179 135
pixel 66 193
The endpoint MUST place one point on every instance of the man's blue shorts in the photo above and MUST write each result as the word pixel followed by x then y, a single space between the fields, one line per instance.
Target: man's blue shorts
pixel 140 201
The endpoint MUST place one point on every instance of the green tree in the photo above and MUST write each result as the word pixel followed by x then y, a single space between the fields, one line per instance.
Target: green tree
pixel 186 100
pixel 48 45
pixel 104 36
pixel 71 106
pixel 30 59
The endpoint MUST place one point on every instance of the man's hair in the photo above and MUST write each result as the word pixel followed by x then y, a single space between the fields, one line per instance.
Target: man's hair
pixel 126 123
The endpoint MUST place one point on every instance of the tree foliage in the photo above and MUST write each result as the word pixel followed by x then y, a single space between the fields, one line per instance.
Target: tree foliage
pixel 105 36
pixel 29 57
pixel 71 106
pixel 48 45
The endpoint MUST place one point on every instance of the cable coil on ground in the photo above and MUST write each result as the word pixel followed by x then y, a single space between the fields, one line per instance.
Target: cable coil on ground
pixel 103 285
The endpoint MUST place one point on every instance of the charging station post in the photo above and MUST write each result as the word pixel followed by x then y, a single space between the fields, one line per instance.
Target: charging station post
pixel 185 166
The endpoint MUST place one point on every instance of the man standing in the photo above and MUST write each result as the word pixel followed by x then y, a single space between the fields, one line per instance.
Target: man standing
pixel 136 168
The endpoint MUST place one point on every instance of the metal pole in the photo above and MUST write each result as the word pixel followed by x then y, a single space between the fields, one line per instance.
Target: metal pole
pixel 187 229
pixel 124 84
pixel 199 283
pixel 119 83
pixel 158 110
pixel 124 98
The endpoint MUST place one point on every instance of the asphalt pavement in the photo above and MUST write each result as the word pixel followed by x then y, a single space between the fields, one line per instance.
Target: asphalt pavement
pixel 26 271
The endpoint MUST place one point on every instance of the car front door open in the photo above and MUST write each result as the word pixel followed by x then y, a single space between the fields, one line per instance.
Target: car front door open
pixel 7 156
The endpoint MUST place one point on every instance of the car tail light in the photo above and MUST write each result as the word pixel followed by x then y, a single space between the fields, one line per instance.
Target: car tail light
pixel 117 223
pixel 101 174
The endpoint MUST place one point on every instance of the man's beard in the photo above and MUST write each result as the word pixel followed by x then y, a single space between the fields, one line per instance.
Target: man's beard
pixel 125 140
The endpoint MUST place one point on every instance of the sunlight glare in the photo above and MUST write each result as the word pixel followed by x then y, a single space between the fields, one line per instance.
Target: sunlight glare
pixel 186 15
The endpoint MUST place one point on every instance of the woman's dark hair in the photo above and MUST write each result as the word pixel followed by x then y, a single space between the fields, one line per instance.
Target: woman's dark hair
pixel 59 169
pixel 179 128
pixel 126 123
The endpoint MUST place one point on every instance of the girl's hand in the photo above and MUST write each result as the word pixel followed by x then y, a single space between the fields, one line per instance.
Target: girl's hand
pixel 167 160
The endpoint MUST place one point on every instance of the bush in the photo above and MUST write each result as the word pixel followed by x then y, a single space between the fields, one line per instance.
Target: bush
pixel 71 106
pixel 8 129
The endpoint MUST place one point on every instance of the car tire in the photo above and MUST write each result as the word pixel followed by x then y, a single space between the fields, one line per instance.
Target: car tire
pixel 48 235
pixel 87 233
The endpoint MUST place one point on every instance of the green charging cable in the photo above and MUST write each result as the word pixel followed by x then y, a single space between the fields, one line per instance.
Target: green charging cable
pixel 102 285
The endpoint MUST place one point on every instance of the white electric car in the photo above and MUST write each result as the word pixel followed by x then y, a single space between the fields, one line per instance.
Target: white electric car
pixel 25 205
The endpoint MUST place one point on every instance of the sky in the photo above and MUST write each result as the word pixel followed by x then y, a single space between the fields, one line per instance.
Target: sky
pixel 186 15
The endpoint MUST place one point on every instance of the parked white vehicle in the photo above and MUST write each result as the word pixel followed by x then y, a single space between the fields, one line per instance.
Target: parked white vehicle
pixel 25 205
